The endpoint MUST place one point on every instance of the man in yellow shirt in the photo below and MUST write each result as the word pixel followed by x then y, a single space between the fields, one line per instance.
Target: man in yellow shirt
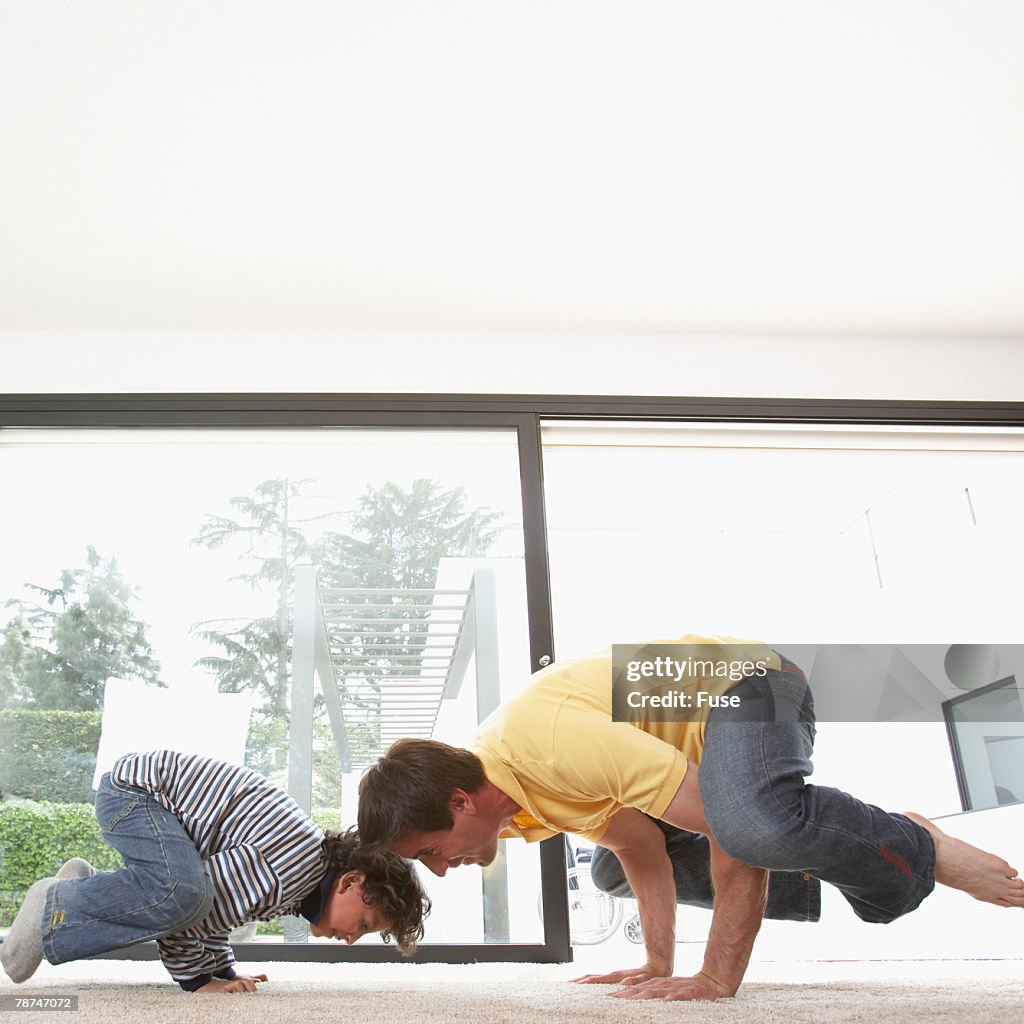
pixel 703 809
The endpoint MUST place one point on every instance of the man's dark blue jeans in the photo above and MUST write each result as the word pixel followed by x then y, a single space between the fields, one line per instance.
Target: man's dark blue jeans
pixel 762 811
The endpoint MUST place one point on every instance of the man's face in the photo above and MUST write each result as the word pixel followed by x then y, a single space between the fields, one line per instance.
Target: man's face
pixel 345 916
pixel 470 841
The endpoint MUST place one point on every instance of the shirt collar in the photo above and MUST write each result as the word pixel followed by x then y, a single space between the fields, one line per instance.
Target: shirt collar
pixel 312 906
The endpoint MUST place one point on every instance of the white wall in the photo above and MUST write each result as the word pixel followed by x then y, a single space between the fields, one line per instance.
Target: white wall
pixel 537 363
pixel 793 167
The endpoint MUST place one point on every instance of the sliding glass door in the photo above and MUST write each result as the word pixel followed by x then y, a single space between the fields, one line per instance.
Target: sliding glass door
pixel 882 539
pixel 294 599
pixel 297 580
pixel 885 561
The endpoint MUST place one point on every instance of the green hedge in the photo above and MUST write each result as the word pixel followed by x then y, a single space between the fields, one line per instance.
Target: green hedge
pixel 48 755
pixel 36 838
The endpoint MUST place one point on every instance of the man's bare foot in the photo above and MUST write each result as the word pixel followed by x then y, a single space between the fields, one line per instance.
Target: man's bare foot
pixel 982 875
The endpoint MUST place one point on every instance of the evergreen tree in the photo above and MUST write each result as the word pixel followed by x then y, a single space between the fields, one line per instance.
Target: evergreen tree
pixel 397 540
pixel 257 652
pixel 15 653
pixel 60 652
pixel 399 537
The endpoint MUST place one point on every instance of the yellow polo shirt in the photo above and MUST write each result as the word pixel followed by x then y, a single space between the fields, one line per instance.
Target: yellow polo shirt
pixel 555 750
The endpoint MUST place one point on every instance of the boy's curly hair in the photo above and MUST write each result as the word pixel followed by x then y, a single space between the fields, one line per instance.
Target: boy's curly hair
pixel 390 884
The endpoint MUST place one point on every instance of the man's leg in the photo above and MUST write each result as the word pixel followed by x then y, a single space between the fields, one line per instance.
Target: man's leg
pixel 691 867
pixel 162 888
pixel 761 810
pixel 985 876
pixel 792 895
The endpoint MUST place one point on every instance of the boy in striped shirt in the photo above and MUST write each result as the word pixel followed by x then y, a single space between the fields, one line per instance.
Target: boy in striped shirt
pixel 207 846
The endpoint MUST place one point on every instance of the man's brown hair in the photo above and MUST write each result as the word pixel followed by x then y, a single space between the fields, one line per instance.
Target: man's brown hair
pixel 409 789
pixel 390 884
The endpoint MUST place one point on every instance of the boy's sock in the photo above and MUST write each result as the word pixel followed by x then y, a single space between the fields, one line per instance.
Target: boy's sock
pixel 76 868
pixel 22 949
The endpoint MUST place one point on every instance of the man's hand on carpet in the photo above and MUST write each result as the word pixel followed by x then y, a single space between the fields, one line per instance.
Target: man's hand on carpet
pixel 630 976
pixel 239 983
pixel 700 986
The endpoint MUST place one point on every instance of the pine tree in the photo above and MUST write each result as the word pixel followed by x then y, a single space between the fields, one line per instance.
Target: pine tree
pixel 397 540
pixel 257 652
pixel 59 653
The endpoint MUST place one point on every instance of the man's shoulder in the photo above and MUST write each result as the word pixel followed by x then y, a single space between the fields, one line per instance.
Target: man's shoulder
pixel 572 681
pixel 574 678
pixel 528 724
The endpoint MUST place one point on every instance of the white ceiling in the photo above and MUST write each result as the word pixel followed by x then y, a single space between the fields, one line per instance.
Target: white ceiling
pixel 787 167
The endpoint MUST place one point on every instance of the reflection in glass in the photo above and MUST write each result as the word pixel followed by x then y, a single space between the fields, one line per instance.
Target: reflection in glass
pixel 148 592
pixel 986 734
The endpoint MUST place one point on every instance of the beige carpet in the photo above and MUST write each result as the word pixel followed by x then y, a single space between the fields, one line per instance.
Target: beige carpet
pixel 511 994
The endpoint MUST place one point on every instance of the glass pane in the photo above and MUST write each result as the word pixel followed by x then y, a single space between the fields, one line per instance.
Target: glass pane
pixel 794 536
pixel 988 734
pixel 791 536
pixel 150 588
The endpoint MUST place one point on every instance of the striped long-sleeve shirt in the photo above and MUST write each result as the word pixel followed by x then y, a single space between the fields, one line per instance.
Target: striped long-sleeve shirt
pixel 262 851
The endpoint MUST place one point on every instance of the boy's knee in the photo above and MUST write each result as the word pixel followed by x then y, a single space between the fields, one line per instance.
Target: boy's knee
pixel 181 902
pixel 190 901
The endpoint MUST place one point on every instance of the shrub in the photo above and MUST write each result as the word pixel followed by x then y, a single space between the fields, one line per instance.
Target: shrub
pixel 36 838
pixel 48 755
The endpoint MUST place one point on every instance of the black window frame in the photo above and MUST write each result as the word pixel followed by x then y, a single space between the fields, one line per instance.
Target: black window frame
pixel 524 414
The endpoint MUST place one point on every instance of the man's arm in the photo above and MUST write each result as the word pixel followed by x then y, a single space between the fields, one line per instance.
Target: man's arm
pixel 741 893
pixel 640 847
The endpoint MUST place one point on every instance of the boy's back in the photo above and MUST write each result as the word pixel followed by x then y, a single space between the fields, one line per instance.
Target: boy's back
pixel 263 852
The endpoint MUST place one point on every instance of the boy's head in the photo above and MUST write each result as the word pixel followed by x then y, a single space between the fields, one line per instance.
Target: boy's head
pixel 374 891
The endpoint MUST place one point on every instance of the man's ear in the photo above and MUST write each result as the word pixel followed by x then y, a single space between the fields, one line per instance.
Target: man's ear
pixel 461 802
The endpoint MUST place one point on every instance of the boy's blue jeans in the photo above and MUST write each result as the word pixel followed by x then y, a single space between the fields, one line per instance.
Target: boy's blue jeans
pixel 162 889
pixel 761 811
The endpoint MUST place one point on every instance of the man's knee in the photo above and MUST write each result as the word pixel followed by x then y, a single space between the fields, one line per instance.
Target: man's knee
pixel 751 825
pixel 741 846
pixel 761 844
pixel 607 874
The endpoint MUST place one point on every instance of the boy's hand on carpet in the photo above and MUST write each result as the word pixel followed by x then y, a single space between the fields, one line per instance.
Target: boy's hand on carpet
pixel 239 983
pixel 630 976
pixel 698 987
